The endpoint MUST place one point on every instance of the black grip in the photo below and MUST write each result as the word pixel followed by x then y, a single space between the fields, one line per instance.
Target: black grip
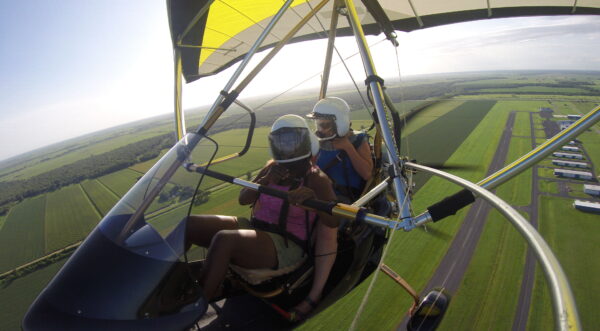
pixel 450 205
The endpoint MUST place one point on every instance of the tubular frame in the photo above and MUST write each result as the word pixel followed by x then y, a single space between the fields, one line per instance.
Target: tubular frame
pixel 404 210
pixel 565 311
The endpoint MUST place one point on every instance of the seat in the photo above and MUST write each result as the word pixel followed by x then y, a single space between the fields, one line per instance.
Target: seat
pixel 268 283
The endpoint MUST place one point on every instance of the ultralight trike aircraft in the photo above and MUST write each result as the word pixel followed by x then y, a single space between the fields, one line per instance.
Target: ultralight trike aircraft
pixel 132 271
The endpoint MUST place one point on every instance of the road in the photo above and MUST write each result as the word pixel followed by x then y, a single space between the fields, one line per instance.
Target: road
pixel 453 266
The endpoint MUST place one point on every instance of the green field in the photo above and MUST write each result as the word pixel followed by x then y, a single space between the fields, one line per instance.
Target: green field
pixel 2 220
pixel 488 296
pixel 102 199
pixel 16 298
pixel 70 216
pixel 572 236
pixel 22 238
pixel 435 142
pixel 462 130
pixel 121 181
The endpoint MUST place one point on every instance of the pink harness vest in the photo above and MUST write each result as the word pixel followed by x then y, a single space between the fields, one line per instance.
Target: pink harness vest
pixel 267 209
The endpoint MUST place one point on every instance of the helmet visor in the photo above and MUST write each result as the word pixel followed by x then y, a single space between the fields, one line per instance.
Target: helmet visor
pixel 290 144
pixel 325 128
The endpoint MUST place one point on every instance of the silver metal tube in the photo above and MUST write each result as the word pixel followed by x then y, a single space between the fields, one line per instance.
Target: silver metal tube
pixel 329 52
pixel 377 92
pixel 541 151
pixel 371 194
pixel 565 311
pixel 179 116
pixel 246 60
pixel 381 221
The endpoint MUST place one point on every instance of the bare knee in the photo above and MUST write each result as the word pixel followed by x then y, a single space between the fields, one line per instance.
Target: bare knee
pixel 225 240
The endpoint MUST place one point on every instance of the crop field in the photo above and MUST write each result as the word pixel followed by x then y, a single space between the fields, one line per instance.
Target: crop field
pixel 463 130
pixel 22 238
pixel 16 298
pixel 102 199
pixel 223 201
pixel 436 141
pixel 70 216
pixel 534 89
pixel 121 181
pixel 433 112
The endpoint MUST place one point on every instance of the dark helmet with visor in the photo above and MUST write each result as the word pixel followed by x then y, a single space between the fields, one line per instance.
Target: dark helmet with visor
pixel 291 140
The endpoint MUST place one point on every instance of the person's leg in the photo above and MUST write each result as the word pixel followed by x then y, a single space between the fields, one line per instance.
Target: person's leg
pixel 202 228
pixel 325 253
pixel 247 248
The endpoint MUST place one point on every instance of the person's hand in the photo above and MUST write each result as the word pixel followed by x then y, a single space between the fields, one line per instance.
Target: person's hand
pixel 299 195
pixel 342 143
pixel 274 174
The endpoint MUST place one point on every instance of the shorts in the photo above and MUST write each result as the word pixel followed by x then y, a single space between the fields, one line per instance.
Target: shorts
pixel 286 256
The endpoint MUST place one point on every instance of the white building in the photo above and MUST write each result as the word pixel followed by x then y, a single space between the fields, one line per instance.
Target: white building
pixel 591 189
pixel 573 174
pixel 568 155
pixel 565 124
pixel 587 206
pixel 570 148
pixel 572 164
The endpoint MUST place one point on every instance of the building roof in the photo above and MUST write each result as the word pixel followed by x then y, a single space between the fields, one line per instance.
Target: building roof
pixel 587 204
pixel 569 154
pixel 574 172
pixel 570 162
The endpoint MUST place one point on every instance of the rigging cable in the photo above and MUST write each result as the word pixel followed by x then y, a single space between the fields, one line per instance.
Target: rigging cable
pixel 324 32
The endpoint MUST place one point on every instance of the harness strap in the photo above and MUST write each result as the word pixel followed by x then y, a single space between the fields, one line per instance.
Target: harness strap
pixel 274 228
pixel 340 156
pixel 345 190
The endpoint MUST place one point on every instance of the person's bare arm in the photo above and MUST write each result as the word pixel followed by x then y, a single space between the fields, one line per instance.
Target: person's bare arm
pixel 321 184
pixel 248 196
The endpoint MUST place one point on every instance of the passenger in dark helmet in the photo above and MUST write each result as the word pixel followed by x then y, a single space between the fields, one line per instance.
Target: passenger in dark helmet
pixel 278 235
pixel 344 156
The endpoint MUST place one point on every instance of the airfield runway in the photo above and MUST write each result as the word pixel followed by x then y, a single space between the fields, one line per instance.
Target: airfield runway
pixel 453 266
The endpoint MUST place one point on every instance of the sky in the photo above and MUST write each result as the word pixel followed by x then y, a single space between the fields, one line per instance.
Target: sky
pixel 72 67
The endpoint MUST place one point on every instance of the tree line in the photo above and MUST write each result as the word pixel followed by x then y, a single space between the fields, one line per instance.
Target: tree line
pixel 91 167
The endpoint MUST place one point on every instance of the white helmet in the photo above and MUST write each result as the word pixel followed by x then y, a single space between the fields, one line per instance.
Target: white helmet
pixel 291 140
pixel 336 109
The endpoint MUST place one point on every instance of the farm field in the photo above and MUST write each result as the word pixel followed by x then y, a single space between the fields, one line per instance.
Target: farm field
pixel 487 297
pixel 102 199
pixel 121 181
pixel 18 296
pixel 22 238
pixel 70 216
